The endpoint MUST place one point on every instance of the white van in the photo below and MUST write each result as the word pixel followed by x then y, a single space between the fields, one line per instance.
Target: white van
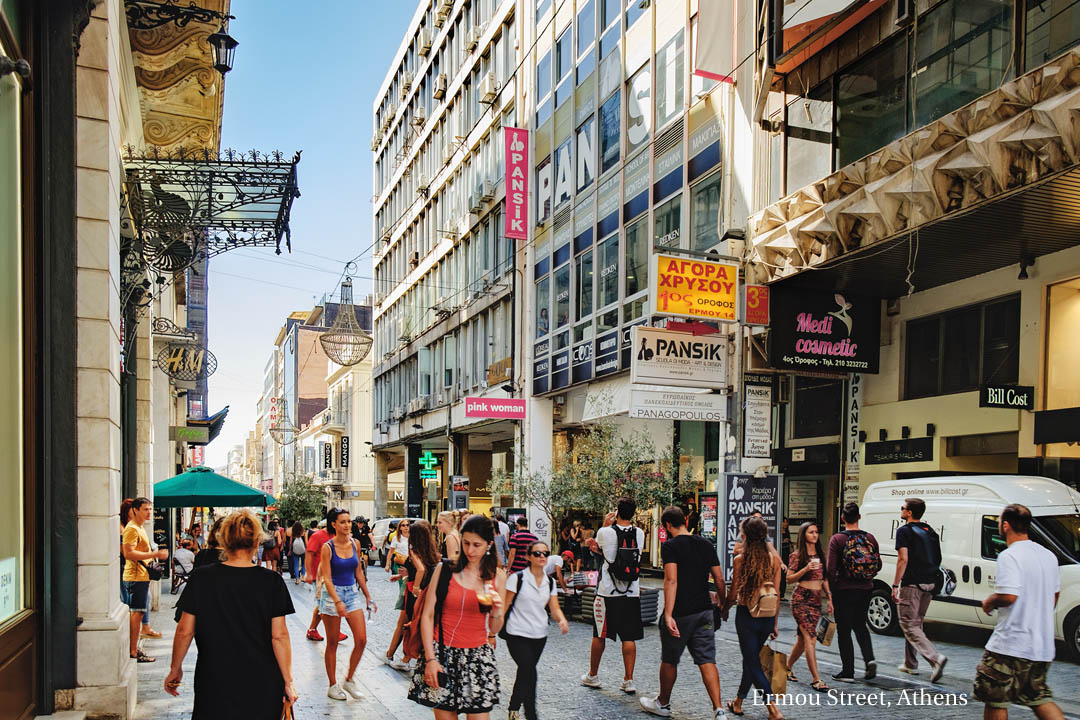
pixel 964 511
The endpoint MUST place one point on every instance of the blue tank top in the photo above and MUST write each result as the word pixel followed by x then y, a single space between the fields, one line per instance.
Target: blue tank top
pixel 343 570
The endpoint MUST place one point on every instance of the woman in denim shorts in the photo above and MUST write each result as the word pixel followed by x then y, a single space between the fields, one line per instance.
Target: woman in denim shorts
pixel 339 597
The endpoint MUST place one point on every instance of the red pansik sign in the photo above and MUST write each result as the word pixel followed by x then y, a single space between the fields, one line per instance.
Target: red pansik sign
pixel 506 409
pixel 517 182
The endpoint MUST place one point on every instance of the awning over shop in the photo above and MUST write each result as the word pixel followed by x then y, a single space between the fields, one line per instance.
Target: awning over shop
pixel 201 486
pixel 212 424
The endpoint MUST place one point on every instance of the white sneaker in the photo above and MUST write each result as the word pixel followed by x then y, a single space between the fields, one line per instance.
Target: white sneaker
pixel 351 687
pixel 628 687
pixel 653 706
pixel 399 665
pixel 909 670
pixel 387 660
pixel 590 680
pixel 513 715
pixel 720 714
pixel 336 693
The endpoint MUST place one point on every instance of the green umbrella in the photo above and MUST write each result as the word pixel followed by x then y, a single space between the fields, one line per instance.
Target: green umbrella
pixel 201 486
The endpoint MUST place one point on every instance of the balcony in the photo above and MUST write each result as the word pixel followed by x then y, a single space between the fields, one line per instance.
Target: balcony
pixel 335 476
pixel 335 420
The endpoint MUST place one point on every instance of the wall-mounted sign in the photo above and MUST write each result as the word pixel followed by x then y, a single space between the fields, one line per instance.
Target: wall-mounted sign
pixel 199 434
pixel 607 354
pixel 560 369
pixel 663 357
pixel 582 362
pixel 757 416
pixel 802 500
pixel 744 495
pixel 699 289
pixel 327 455
pixel 516 141
pixel 345 451
pixel 459 492
pixel 757 305
pixel 495 408
pixel 197 456
pixel 816 330
pixel 428 464
pixel 798 454
pixel 499 372
pixel 184 361
pixel 1057 426
pixel 1013 397
pixel 852 445
pixel 709 515
pixel 672 405
pixel 900 451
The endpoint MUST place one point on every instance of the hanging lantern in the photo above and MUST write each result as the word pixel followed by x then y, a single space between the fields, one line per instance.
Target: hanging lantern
pixel 345 342
pixel 282 431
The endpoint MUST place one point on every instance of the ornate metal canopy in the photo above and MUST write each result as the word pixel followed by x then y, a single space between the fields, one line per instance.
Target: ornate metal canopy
pixel 345 342
pixel 192 204
pixel 283 432
pixel 147 15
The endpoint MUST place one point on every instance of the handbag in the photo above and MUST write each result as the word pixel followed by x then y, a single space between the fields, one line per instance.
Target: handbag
pixel 153 569
pixel 826 628
pixel 774 664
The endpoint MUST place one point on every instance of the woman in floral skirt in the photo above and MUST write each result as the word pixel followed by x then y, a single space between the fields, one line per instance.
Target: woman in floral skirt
pixel 807 567
pixel 457 674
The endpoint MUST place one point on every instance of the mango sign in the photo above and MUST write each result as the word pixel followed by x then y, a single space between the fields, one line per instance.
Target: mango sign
pixel 700 289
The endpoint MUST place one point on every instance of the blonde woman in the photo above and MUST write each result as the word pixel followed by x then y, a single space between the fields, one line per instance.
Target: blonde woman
pixel 236 611
pixel 446 523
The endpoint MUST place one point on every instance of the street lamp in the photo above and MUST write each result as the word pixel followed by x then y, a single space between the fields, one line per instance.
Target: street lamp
pixel 223 48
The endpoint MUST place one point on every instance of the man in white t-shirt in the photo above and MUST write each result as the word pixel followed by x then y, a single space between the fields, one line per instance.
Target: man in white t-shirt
pixel 620 618
pixel 554 568
pixel 1019 653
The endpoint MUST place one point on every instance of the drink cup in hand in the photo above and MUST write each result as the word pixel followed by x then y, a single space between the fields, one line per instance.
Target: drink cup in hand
pixel 485 596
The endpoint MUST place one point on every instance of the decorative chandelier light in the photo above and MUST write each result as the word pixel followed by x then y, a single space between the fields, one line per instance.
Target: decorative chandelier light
pixel 345 342
pixel 283 431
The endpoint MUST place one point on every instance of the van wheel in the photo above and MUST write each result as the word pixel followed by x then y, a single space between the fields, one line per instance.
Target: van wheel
pixel 881 615
pixel 1072 634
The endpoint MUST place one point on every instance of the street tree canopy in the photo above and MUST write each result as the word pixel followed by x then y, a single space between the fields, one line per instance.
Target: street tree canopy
pixel 301 500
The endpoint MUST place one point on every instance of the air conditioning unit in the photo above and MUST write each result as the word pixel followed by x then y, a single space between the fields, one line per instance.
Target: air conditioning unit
pixel 419 116
pixel 474 201
pixel 440 86
pixel 406 80
pixel 489 88
pixel 448 151
pixel 385 123
pixel 414 259
pixel 422 183
pixel 473 38
pixel 444 8
pixel 487 193
pixel 424 42
pixel 385 237
pixel 375 142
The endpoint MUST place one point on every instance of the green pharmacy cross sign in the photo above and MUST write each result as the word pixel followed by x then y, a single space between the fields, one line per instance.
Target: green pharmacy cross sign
pixel 428 462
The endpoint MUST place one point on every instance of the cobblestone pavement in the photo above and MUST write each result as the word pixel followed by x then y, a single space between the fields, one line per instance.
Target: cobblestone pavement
pixel 561 696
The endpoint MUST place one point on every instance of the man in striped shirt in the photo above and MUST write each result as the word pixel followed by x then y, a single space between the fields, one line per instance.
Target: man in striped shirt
pixel 519 546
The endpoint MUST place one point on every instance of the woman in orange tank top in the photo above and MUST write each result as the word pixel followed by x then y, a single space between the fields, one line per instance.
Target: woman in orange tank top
pixel 462 612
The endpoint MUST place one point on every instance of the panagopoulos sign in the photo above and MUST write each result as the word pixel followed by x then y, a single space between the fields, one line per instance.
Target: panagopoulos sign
pixel 500 409
pixel 671 405
pixel 666 357
pixel 517 183
pixel 699 289
pixel 824 331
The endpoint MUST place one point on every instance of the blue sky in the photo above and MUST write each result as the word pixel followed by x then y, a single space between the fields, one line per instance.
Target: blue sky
pixel 305 78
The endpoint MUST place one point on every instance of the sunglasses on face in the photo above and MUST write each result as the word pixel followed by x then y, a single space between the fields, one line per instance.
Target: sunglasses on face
pixel 540 553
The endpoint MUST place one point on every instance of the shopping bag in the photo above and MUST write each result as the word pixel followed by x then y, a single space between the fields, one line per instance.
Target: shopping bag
pixel 774 664
pixel 826 628
pixel 286 712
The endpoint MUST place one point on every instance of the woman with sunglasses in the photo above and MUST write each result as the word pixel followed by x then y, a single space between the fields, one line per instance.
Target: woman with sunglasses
pixel 528 593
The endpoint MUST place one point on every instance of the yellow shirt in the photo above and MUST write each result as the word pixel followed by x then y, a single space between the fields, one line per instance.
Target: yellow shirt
pixel 135 535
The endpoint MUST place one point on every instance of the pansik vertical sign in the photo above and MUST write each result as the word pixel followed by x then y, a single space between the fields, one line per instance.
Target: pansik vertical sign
pixel 745 495
pixel 517 182
pixel 757 416
pixel 852 446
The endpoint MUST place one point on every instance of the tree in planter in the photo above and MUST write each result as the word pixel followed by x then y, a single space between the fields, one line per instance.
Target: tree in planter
pixel 301 500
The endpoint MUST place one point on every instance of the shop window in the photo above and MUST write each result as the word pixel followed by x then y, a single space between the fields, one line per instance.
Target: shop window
pixel 962 49
pixel 816 405
pixel 609 11
pixel 543 314
pixel 705 212
pixel 871 102
pixel 1062 350
pixel 608 288
pixel 564 63
pixel 634 10
pixel 562 296
pixel 638 109
pixel 809 137
pixel 586 34
pixel 962 349
pixel 667 225
pixel 609 133
pixel 609 42
pixel 583 279
pixel 634 309
pixel 669 80
pixel 607 321
pixel 637 257
pixel 1051 27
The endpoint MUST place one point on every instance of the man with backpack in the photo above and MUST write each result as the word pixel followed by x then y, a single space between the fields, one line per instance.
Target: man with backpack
pixel 853 561
pixel 918 569
pixel 618 593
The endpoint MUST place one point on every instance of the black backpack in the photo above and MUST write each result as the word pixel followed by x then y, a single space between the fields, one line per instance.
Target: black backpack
pixel 627 565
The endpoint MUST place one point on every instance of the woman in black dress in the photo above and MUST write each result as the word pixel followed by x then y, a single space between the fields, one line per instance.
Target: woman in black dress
pixel 236 612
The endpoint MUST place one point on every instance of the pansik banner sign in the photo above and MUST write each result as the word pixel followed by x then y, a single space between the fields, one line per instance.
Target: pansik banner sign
pixel 666 357
pixel 699 289
pixel 499 409
pixel 517 183
pixel 745 495
pixel 824 331
pixel 757 416
pixel 672 405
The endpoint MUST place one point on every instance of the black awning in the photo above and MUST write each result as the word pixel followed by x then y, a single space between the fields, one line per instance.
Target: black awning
pixel 1057 426
pixel 214 423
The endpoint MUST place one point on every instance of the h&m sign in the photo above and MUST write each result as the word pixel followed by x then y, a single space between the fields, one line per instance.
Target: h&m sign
pixel 1013 397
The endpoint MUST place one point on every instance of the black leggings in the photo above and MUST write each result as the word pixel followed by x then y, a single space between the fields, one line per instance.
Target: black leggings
pixel 753 633
pixel 526 653
pixel 851 606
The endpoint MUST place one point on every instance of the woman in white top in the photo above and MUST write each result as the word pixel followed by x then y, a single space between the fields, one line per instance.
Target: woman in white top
pixel 527 593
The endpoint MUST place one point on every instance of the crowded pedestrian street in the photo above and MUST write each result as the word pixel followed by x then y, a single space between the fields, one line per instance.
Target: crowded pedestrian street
pixel 561 695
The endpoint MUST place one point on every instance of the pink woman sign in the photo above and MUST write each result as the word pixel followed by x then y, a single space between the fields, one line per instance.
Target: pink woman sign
pixel 495 409
pixel 517 182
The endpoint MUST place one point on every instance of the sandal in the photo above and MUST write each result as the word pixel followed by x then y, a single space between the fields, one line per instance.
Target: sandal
pixel 731 708
pixel 149 634
pixel 791 676
pixel 142 657
pixel 819 685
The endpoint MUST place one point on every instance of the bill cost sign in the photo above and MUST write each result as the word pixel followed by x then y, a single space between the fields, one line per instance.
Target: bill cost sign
pixel 700 289
pixel 517 183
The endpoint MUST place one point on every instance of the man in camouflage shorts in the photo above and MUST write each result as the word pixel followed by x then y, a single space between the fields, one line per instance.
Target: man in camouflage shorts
pixel 1019 653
